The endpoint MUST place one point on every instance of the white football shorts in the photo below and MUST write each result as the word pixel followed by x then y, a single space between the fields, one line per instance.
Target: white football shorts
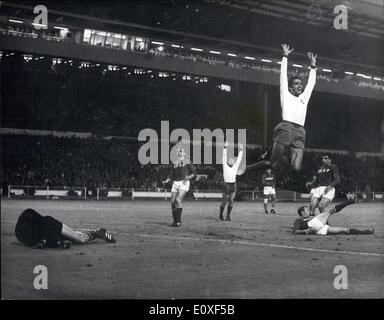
pixel 180 185
pixel 319 227
pixel 269 191
pixel 319 193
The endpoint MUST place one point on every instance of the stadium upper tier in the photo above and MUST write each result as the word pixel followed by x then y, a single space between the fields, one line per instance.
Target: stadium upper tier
pixel 203 56
pixel 258 26
pixel 69 95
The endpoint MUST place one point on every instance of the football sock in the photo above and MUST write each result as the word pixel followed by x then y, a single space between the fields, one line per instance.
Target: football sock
pixel 174 212
pixel 178 214
pixel 93 234
pixel 259 165
pixel 340 206
pixel 265 204
pixel 221 212
pixel 229 210
pixel 357 231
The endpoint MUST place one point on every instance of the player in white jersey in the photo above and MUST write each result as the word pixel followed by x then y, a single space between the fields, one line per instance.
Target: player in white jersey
pixel 289 135
pixel 230 170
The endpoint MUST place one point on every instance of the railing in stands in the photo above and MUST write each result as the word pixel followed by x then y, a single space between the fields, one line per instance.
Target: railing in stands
pixel 101 193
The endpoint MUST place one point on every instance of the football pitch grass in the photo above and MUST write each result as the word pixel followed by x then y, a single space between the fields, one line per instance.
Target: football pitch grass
pixel 254 256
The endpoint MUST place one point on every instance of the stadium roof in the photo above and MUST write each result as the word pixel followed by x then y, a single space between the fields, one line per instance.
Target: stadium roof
pixel 307 25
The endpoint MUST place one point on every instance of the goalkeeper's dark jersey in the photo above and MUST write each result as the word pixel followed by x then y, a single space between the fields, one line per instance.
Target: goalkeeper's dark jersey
pixel 32 228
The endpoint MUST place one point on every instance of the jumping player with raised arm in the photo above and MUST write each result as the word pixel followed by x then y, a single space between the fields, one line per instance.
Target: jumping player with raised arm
pixel 289 135
pixel 182 173
pixel 319 224
pixel 36 230
pixel 230 170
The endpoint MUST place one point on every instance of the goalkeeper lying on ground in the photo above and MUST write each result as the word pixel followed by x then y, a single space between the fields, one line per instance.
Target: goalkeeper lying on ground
pixel 35 230
pixel 307 224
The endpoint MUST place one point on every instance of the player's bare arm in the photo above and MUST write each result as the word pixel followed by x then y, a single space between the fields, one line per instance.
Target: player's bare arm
pixel 312 59
pixel 241 149
pixel 224 157
pixel 304 232
pixel 189 177
pixel 286 49
pixel 166 180
pixel 312 75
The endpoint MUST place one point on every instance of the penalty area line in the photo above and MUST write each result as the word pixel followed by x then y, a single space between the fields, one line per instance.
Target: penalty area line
pixel 256 244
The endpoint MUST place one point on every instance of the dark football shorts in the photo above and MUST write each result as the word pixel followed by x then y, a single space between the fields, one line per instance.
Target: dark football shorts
pixel 290 135
pixel 230 187
pixel 32 228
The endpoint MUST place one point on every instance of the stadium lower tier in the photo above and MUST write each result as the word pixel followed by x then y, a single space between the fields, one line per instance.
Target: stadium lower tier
pixel 97 162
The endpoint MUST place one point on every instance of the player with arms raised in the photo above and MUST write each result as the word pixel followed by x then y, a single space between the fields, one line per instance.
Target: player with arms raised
pixel 289 135
pixel 230 170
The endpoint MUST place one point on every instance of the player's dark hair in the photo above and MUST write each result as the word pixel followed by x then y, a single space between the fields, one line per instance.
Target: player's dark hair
pixel 293 78
pixel 327 155
pixel 300 211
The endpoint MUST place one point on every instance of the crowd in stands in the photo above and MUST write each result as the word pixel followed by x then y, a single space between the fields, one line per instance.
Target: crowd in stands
pixel 31 33
pixel 257 66
pixel 195 57
pixel 29 160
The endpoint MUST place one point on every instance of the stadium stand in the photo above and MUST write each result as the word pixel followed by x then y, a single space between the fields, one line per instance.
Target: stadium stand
pixel 46 160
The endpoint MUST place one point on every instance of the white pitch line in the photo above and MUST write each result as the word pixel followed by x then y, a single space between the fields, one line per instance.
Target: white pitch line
pixel 223 241
pixel 9 221
pixel 257 244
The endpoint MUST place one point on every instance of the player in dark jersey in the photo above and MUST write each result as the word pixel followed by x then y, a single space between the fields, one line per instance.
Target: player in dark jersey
pixel 319 224
pixel 182 173
pixel 268 182
pixel 36 230
pixel 323 185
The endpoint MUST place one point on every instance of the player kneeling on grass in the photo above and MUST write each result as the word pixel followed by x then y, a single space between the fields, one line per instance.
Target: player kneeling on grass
pixel 307 224
pixel 35 230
